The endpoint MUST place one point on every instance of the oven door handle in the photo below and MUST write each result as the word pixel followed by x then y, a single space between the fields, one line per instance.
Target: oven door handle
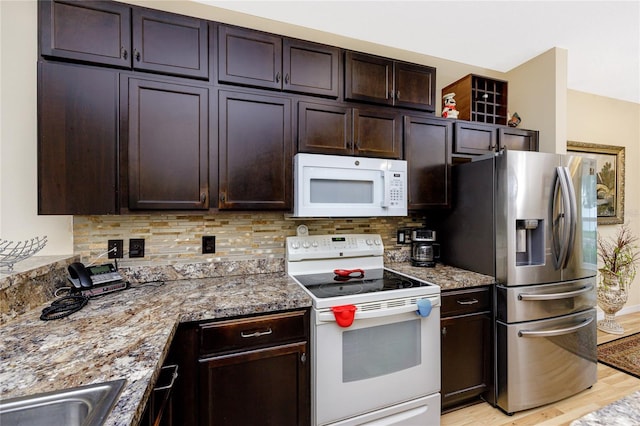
pixel 554 296
pixel 377 313
pixel 557 332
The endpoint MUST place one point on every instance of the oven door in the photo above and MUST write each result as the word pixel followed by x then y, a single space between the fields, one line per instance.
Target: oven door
pixel 388 356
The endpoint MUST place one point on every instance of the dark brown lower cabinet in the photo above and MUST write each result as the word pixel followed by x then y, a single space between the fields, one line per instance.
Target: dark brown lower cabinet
pixel 465 346
pixel 243 371
pixel 257 387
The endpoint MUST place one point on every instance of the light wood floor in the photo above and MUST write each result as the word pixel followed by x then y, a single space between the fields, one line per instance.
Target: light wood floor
pixel 611 386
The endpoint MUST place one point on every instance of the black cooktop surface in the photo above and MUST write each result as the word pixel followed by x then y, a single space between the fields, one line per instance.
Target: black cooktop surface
pixel 330 284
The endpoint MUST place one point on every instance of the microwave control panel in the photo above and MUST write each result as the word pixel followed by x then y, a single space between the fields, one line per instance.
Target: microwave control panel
pixel 396 190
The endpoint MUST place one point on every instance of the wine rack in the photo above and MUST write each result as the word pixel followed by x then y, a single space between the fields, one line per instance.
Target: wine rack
pixel 480 99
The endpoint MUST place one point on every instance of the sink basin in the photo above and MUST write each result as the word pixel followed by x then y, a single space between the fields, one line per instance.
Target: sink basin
pixel 85 405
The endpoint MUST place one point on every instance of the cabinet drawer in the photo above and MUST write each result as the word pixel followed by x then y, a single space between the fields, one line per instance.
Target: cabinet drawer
pixel 461 302
pixel 246 333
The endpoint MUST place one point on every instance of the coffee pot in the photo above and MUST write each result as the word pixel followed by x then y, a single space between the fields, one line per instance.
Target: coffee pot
pixel 424 249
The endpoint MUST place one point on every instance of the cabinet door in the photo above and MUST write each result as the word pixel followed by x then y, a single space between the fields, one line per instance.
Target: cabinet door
pixel 267 386
pixel 465 358
pixel 474 138
pixel 427 144
pixel 255 151
pixel 466 345
pixel 377 133
pixel 249 57
pixel 368 78
pixel 93 31
pixel 168 145
pixel 324 129
pixel 415 86
pixel 518 139
pixel 170 43
pixel 77 139
pixel 311 68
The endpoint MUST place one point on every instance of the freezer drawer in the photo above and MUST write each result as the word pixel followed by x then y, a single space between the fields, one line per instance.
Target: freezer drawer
pixel 534 302
pixel 540 362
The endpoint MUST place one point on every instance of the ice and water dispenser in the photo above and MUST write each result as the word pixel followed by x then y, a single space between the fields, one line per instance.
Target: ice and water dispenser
pixel 529 242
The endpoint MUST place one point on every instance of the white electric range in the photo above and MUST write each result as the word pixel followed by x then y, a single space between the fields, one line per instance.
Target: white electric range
pixel 375 342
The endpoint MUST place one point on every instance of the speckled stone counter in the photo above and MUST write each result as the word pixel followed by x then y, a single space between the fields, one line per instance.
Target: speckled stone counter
pixel 127 335
pixel 625 411
pixel 447 277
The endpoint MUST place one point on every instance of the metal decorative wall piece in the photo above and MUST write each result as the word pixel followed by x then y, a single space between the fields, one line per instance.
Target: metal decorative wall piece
pixel 610 178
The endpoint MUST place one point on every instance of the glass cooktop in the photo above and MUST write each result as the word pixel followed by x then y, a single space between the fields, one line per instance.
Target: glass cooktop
pixel 330 284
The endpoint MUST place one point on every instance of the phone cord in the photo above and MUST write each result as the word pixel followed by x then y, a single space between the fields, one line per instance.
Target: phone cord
pixel 64 307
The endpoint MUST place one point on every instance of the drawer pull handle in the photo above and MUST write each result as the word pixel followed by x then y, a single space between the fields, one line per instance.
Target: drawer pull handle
pixel 256 333
pixel 467 302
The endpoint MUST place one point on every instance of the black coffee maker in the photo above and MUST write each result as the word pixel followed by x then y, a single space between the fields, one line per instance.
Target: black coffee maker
pixel 424 249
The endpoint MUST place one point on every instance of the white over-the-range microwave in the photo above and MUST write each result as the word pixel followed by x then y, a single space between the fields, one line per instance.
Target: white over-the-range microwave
pixel 341 186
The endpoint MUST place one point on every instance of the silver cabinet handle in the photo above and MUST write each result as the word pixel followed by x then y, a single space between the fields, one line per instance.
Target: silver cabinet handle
pixel 256 333
pixel 174 376
pixel 557 332
pixel 467 302
pixel 553 296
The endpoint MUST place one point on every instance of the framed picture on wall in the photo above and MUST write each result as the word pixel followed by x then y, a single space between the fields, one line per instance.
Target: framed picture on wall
pixel 610 178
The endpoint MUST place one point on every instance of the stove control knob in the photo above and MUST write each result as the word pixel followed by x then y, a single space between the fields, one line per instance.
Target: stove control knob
pixel 369 242
pixel 305 244
pixel 315 244
pixel 378 242
pixel 295 245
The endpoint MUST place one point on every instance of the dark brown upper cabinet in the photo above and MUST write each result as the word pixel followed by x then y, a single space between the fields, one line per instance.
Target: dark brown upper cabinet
pixel 168 144
pixel 115 34
pixel 427 145
pixel 255 151
pixel 258 59
pixel 383 81
pixel 473 138
pixel 77 139
pixel 170 43
pixel 342 130
pixel 518 139
pixel 92 31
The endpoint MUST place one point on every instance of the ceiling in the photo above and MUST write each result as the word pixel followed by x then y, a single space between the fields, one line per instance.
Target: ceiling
pixel 602 37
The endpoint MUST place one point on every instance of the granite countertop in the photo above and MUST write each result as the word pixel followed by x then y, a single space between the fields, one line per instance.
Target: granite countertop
pixel 446 277
pixel 127 335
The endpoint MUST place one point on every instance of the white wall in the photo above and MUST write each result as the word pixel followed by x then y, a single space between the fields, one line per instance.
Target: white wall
pixel 19 218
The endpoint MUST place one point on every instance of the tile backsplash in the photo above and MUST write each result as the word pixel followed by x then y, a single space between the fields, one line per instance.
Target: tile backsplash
pixel 177 238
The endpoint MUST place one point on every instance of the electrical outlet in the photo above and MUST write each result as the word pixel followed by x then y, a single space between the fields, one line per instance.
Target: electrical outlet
pixel 115 249
pixel 208 244
pixel 136 247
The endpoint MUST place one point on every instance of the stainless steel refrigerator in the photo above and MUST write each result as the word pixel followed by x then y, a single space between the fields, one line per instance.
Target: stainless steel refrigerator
pixel 529 219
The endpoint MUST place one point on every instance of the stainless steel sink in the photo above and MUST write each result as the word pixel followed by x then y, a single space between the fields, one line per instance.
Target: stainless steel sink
pixel 86 405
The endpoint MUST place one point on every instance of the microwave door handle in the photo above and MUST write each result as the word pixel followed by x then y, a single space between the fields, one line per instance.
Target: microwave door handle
pixel 386 196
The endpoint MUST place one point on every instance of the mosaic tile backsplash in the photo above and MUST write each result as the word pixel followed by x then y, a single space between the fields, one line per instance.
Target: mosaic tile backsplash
pixel 171 239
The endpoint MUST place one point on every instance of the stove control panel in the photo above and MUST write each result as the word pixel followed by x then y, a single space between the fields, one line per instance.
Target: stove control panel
pixel 333 246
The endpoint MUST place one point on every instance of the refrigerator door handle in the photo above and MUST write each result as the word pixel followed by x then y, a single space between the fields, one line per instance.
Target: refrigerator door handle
pixel 555 332
pixel 573 218
pixel 554 296
pixel 562 217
